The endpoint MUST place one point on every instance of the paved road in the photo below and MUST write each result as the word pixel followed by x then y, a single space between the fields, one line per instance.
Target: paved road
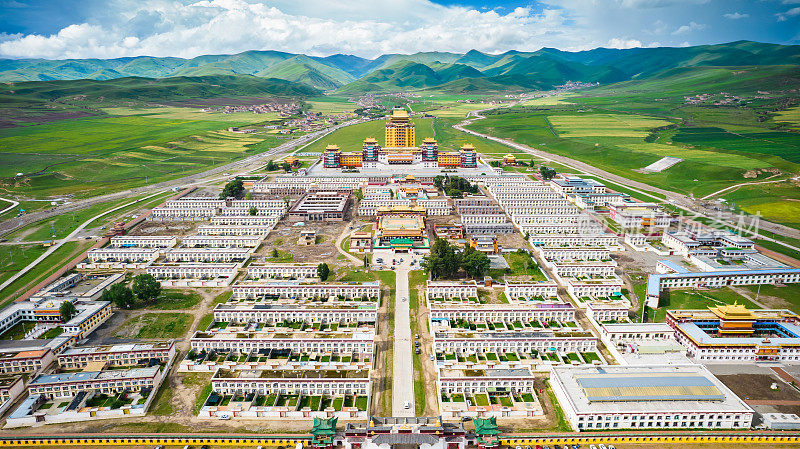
pixel 13 205
pixel 403 363
pixel 186 181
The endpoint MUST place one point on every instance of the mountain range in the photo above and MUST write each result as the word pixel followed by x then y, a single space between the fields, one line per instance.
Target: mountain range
pixel 453 72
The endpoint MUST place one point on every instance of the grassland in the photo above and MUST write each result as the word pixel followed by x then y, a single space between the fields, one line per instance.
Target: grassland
pixel 62 225
pixel 623 150
pixel 776 202
pixel 790 118
pixel 16 257
pixel 86 156
pixel 330 104
pixel 45 268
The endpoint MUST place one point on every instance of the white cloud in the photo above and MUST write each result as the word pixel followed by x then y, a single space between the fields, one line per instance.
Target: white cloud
pixel 693 26
pixel 736 16
pixel 188 28
pixel 170 28
pixel 790 13
pixel 623 43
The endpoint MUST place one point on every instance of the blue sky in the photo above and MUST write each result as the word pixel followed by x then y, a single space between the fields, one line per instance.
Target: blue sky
pixel 58 29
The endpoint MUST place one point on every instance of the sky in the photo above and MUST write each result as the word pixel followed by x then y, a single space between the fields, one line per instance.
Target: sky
pixel 65 29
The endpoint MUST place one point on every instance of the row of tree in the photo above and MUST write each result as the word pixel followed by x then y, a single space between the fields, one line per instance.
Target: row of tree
pixel 447 261
pixel 144 289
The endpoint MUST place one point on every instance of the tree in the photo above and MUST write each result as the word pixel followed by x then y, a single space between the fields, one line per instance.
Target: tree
pixel 547 172
pixel 146 287
pixel 271 165
pixel 67 311
pixel 274 254
pixel 248 196
pixel 366 261
pixel 120 295
pixel 442 261
pixel 253 210
pixel 232 189
pixel 359 194
pixel 474 262
pixel 323 271
pixel 286 167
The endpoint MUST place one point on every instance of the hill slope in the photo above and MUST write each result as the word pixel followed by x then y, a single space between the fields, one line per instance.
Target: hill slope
pixel 541 69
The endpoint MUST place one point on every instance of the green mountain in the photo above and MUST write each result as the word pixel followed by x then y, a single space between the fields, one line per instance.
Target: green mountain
pixel 166 89
pixel 348 74
pixel 408 74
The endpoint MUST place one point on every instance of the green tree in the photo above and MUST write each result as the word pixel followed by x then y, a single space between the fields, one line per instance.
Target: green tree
pixel 271 165
pixel 67 311
pixel 253 210
pixel 286 167
pixel 323 271
pixel 474 262
pixel 232 189
pixel 120 295
pixel 146 287
pixel 274 254
pixel 547 172
pixel 359 194
pixel 248 196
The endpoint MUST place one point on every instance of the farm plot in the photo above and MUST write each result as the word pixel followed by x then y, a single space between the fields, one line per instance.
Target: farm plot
pixel 790 116
pixel 604 125
pixel 777 143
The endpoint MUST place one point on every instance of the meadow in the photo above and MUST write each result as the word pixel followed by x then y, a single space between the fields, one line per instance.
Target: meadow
pixel 789 117
pixel 776 202
pixel 84 157
pixel 330 104
pixel 617 144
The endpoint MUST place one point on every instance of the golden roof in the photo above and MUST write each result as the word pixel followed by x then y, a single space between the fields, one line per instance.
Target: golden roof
pixel 399 113
pixel 332 147
pixel 732 312
pixel 467 146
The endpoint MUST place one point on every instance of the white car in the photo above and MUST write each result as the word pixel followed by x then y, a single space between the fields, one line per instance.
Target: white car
pixel 224 416
pixel 406 405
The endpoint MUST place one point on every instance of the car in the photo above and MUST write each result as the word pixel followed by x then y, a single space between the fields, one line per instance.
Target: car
pixel 224 417
pixel 416 350
pixel 416 343
pixel 592 446
pixel 602 446
pixel 416 336
pixel 611 446
pixel 406 405
pixel 432 357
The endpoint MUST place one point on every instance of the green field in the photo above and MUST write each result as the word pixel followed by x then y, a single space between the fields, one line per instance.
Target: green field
pixel 623 150
pixel 776 202
pixel 330 104
pixel 101 154
pixel 604 125
pixel 787 296
pixel 791 117
pixel 690 299
pixel 352 137
pixel 41 271
pixel 62 225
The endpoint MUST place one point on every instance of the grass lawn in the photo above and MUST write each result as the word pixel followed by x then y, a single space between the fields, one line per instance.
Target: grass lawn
pixel 52 333
pixel 161 403
pixel 18 331
pixel 700 299
pixel 202 397
pixel 205 321
pixel 790 293
pixel 159 325
pixel 176 300
pixel 778 202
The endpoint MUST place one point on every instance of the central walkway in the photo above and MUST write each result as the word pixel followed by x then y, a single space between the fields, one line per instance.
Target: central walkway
pixel 403 363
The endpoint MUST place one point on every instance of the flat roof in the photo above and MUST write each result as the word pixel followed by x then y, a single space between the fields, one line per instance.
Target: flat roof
pixel 669 389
